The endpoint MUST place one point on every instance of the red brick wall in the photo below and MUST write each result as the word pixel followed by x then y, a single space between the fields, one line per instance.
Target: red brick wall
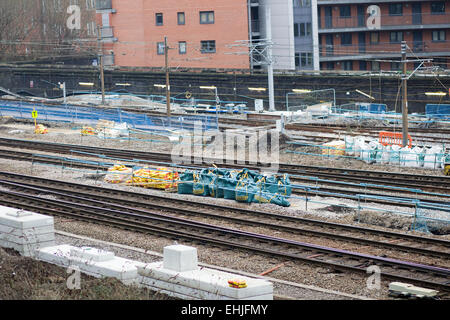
pixel 137 33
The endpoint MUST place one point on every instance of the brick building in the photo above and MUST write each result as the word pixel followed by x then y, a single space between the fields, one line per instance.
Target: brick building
pixel 351 40
pixel 199 33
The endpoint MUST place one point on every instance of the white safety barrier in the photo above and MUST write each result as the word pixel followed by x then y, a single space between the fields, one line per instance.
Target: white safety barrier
pixel 25 231
pixel 179 275
pixel 92 261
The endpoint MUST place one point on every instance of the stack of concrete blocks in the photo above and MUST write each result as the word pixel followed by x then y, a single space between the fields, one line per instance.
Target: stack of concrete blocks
pixel 92 261
pixel 179 275
pixel 25 231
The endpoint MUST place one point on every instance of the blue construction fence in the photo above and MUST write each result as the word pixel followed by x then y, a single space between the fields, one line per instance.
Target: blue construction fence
pixel 366 111
pixel 192 104
pixel 440 111
pixel 90 115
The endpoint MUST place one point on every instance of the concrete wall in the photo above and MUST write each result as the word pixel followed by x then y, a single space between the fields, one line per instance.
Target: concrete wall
pixel 282 17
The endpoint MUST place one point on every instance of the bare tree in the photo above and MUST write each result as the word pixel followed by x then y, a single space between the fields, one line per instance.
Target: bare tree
pixel 33 29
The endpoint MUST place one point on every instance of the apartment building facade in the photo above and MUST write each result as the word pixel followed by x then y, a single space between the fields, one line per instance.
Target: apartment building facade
pixel 200 34
pixel 366 35
pixel 305 34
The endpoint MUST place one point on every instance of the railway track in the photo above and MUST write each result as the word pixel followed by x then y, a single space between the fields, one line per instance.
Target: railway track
pixel 428 246
pixel 424 181
pixel 418 135
pixel 361 192
pixel 81 203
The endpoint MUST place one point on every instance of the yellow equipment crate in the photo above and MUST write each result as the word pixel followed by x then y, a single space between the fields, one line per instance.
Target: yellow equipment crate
pixel 336 148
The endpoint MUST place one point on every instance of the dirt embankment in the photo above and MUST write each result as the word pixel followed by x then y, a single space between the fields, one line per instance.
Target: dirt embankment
pixel 23 278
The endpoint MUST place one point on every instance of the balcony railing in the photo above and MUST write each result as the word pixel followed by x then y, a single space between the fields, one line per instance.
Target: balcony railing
pixel 385 21
pixel 103 4
pixel 386 48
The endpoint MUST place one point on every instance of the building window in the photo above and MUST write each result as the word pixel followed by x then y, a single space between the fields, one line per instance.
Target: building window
pixel 395 9
pixel 437 7
pixel 182 47
pixel 160 47
pixel 206 17
pixel 395 66
pixel 297 60
pixel 362 65
pixel 208 46
pixel 396 36
pixel 345 11
pixel 374 37
pixel 295 29
pixel 159 19
pixel 375 66
pixel 347 65
pixel 91 29
pixel 330 65
pixel 90 4
pixel 301 3
pixel 181 18
pixel 438 35
pixel 346 39
pixel 305 29
pixel 306 59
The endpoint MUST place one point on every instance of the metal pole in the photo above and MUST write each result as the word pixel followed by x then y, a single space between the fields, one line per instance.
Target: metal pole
pixel 166 54
pixel 64 92
pixel 217 102
pixel 404 97
pixel 100 55
pixel 269 58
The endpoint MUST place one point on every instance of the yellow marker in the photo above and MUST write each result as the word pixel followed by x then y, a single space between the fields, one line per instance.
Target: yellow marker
pixel 34 114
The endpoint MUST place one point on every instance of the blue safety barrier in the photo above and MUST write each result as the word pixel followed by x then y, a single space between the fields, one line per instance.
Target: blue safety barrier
pixel 441 111
pixel 90 115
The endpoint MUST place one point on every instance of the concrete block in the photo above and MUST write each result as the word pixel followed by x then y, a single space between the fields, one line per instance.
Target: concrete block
pixel 27 238
pixel 23 219
pixel 190 293
pixel 180 258
pixel 208 280
pixel 91 254
pixel 27 231
pixel 411 289
pixel 116 267
pixel 26 250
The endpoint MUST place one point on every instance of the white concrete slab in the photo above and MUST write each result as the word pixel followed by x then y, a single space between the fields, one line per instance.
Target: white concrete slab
pixel 91 254
pixel 208 280
pixel 26 231
pixel 191 293
pixel 27 250
pixel 28 238
pixel 120 268
pixel 23 220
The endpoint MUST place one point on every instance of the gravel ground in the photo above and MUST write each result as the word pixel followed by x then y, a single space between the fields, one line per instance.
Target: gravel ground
pixel 281 290
pixel 293 271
